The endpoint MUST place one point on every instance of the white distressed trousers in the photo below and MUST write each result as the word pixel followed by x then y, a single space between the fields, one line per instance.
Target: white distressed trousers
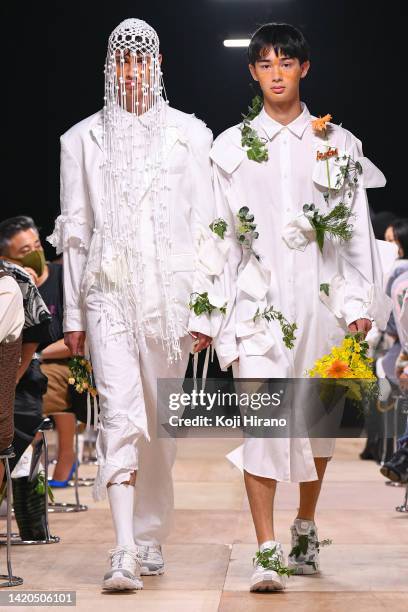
pixel 126 378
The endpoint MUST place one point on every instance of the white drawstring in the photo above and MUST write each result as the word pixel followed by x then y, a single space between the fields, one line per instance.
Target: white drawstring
pixel 95 407
pixel 88 412
pixel 205 367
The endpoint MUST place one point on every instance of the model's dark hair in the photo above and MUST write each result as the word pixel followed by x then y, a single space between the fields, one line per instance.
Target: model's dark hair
pixel 11 227
pixel 283 38
pixel 400 229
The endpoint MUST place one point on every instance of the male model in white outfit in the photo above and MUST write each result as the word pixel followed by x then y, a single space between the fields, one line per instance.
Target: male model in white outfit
pixel 274 173
pixel 136 200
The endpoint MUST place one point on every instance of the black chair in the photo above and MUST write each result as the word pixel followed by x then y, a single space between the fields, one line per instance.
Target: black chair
pixel 60 507
pixel 46 425
pixel 9 579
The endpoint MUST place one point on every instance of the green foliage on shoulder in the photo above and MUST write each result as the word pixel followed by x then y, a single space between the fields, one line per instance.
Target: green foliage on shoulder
pixel 255 145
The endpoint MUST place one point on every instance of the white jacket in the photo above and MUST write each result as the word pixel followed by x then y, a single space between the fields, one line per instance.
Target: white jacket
pixel 77 229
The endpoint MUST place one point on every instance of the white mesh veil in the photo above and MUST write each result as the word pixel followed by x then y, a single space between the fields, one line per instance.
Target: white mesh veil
pixel 134 169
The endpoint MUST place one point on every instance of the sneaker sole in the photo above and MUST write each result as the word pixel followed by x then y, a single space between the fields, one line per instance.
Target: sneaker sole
pixel 266 586
pixel 118 582
pixel 144 571
pixel 304 570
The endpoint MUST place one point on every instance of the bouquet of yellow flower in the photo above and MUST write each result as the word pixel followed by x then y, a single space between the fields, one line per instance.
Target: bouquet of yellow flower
pixel 81 375
pixel 347 362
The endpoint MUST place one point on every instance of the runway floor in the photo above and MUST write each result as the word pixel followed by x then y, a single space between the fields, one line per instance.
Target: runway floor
pixel 208 555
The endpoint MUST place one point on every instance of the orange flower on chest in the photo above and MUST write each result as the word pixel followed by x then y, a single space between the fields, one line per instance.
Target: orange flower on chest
pixel 327 154
pixel 319 124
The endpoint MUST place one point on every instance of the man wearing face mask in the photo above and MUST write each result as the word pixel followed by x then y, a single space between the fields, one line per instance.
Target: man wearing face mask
pixel 23 257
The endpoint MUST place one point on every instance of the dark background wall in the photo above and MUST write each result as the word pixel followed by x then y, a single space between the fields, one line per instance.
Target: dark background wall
pixel 55 78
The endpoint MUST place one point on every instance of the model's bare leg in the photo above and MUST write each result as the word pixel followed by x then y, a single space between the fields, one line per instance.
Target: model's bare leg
pixel 309 491
pixel 261 495
pixel 65 424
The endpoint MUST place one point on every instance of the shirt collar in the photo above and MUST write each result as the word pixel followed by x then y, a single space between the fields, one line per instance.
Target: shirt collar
pixel 297 126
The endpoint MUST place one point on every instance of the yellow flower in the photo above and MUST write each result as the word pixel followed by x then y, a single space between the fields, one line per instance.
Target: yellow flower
pixel 319 124
pixel 82 362
pixel 71 381
pixel 85 385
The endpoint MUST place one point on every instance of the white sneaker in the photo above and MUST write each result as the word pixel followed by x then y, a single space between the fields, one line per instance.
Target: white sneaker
pixel 125 570
pixel 304 556
pixel 151 560
pixel 269 569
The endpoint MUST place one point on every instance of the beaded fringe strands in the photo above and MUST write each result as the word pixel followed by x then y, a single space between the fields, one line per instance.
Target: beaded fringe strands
pixel 135 168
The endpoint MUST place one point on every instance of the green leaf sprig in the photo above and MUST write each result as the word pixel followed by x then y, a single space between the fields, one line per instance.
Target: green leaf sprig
pixel 335 223
pixel 255 145
pixel 40 486
pixel 288 329
pixel 348 173
pixel 360 338
pixel 246 228
pixel 200 304
pixel 325 287
pixel 268 559
pixel 219 226
pixel 302 546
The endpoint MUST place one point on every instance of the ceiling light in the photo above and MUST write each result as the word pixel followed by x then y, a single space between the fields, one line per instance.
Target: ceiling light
pixel 236 42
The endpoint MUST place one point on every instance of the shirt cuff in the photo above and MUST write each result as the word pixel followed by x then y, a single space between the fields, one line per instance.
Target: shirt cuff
pixel 200 323
pixel 354 310
pixel 74 320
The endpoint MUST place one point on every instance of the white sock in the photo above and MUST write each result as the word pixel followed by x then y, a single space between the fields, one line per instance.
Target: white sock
pixel 121 500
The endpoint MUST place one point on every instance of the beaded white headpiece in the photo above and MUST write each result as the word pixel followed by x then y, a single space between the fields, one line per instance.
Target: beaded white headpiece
pixel 134 170
pixel 135 41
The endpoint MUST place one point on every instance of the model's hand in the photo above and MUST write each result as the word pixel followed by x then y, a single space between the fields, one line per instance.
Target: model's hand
pixel 202 341
pixel 361 325
pixel 75 341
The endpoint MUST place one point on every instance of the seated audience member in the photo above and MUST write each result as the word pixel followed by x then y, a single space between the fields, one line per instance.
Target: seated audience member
pixel 400 237
pixel 396 468
pixel 22 256
pixel 11 325
pixel 51 352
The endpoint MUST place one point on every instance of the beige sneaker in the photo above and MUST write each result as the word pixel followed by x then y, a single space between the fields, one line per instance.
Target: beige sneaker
pixel 151 560
pixel 125 570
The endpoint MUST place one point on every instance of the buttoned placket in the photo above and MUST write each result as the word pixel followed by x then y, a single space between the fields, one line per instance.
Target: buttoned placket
pixel 287 213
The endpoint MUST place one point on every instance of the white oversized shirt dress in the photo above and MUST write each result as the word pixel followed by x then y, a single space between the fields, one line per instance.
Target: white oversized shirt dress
pixel 290 269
